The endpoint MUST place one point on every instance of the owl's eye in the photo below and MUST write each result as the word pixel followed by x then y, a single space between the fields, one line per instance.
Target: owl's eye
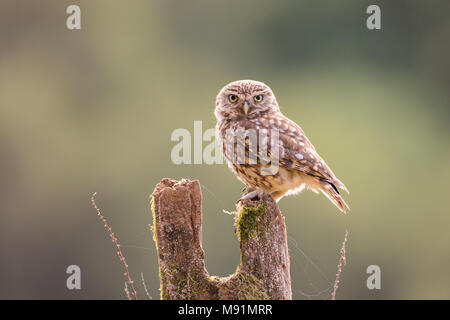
pixel 258 98
pixel 233 98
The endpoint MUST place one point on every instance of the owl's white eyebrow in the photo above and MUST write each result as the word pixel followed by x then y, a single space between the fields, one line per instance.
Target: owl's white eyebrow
pixel 262 90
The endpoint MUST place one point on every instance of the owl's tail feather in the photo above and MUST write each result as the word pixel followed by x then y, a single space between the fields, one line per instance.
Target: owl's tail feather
pixel 331 192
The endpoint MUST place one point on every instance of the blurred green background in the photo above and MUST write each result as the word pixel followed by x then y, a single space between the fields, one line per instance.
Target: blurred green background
pixel 93 110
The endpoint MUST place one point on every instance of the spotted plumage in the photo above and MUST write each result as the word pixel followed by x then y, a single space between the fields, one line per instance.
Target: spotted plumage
pixel 246 107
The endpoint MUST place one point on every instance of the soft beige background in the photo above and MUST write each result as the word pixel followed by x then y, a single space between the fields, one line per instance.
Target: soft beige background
pixel 93 110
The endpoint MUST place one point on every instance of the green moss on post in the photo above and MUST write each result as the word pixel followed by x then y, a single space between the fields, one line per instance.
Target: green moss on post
pixel 163 281
pixel 250 288
pixel 250 221
pixel 153 226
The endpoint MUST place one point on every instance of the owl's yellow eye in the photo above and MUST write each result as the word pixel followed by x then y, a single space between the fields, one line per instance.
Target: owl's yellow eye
pixel 233 98
pixel 258 98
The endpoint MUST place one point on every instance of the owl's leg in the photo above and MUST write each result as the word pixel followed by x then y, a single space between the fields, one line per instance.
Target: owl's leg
pixel 253 194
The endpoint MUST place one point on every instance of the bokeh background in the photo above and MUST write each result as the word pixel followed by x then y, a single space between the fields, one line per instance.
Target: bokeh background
pixel 93 110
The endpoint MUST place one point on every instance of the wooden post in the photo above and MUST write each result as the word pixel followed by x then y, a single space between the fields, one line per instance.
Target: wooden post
pixel 263 272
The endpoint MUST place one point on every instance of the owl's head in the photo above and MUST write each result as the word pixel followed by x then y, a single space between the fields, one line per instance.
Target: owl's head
pixel 245 99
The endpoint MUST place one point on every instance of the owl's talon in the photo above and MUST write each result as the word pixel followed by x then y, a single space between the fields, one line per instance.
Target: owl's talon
pixel 253 195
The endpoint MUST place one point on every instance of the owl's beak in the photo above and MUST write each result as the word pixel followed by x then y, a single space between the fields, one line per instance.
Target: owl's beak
pixel 245 107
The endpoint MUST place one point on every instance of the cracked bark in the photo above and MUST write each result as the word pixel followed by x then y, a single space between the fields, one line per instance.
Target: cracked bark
pixel 263 272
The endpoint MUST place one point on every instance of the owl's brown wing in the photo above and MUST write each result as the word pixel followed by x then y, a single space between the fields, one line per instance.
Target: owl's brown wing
pixel 300 154
pixel 297 152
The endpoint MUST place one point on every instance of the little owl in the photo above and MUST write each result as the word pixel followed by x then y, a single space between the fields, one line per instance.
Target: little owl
pixel 251 106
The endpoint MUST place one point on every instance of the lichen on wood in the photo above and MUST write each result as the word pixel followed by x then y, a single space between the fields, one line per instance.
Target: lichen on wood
pixel 263 272
pixel 250 220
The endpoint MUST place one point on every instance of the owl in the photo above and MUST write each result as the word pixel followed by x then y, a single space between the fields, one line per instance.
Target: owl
pixel 250 106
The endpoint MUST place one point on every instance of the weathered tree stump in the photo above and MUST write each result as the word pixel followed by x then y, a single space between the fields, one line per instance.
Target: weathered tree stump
pixel 263 272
